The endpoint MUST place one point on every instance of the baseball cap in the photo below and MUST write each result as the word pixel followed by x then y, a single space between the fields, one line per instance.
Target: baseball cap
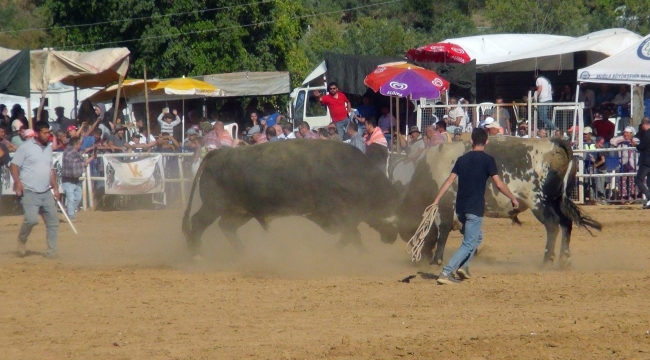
pixel 29 133
pixel 630 129
pixel 587 130
pixel 488 120
pixel 190 132
pixel 492 125
pixel 71 127
pixel 414 129
pixel 458 131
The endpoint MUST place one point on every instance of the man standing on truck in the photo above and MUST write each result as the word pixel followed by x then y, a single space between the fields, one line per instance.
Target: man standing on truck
pixel 338 105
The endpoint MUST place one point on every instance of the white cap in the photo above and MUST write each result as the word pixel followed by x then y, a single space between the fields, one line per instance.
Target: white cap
pixel 587 130
pixel 492 125
pixel 630 129
pixel 488 120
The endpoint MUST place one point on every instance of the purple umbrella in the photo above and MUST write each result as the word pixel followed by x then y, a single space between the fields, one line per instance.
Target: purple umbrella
pixel 410 84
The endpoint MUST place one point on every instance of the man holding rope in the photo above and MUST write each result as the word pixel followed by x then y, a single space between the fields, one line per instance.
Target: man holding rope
pixel 472 170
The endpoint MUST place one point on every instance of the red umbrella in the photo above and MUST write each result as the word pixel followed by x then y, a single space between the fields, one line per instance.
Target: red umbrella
pixel 440 53
pixel 403 80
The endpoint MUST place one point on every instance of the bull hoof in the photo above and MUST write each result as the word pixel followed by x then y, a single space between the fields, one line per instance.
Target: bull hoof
pixel 436 262
pixel 547 263
pixel 565 262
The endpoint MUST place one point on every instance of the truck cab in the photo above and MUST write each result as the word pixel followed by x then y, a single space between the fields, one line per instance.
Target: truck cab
pixel 306 107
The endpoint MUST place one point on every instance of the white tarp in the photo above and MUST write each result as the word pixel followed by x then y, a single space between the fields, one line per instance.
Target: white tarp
pixel 7 182
pixel 85 69
pixel 123 176
pixel 251 83
pixel 526 52
pixel 631 66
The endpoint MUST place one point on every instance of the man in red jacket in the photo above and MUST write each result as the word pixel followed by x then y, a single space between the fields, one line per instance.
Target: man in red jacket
pixel 338 105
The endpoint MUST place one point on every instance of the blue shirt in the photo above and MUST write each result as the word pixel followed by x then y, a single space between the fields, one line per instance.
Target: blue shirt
pixel 271 119
pixel 88 142
pixel 367 111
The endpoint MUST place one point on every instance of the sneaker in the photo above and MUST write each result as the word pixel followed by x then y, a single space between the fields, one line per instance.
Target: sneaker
pixel 647 205
pixel 22 249
pixel 463 273
pixel 447 279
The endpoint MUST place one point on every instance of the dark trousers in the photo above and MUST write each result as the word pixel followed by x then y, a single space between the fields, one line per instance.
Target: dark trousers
pixel 641 180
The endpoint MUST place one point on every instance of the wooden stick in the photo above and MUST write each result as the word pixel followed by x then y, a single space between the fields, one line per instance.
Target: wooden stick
pixel 146 104
pixel 117 99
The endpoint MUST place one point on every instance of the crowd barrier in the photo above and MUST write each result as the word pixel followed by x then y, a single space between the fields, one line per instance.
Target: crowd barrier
pixel 122 175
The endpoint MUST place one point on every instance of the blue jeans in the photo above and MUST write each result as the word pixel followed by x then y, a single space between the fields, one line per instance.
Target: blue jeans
pixel 32 203
pixel 544 114
pixel 73 195
pixel 341 126
pixel 472 237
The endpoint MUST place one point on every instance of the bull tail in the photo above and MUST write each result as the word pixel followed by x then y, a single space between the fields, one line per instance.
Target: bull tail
pixel 187 224
pixel 567 206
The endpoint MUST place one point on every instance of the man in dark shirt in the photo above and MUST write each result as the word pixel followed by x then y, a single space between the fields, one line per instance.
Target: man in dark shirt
pixel 644 161
pixel 472 170
pixel 73 168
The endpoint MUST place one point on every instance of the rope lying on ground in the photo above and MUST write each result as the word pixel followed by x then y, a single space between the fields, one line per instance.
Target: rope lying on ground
pixel 416 243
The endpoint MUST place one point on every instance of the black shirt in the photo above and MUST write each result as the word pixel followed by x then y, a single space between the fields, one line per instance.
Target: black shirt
pixel 473 170
pixel 644 148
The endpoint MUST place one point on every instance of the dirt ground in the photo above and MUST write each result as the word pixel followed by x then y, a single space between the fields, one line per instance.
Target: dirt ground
pixel 126 288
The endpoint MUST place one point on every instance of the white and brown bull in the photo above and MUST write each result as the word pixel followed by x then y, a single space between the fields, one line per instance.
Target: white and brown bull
pixel 538 171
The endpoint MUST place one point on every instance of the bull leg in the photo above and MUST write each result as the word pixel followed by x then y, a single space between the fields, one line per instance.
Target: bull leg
pixel 429 244
pixel 200 221
pixel 351 235
pixel 550 221
pixel 446 223
pixel 565 254
pixel 229 225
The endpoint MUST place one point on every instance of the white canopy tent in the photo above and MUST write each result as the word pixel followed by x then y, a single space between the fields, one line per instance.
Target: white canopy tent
pixel 527 52
pixel 630 66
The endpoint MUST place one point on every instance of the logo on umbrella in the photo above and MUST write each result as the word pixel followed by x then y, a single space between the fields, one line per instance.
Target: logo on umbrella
pixel 379 70
pixel 437 82
pixel 458 50
pixel 398 85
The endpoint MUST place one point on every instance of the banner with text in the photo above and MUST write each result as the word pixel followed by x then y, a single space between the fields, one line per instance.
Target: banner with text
pixel 125 176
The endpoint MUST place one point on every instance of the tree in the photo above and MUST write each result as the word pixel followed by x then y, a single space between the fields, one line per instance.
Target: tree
pixel 17 17
pixel 561 17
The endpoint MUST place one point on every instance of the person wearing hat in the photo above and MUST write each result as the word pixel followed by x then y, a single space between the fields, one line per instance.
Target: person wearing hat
pixel 416 146
pixel 137 143
pixel 331 131
pixel 458 132
pixel 492 128
pixel 117 142
pixel 522 130
pixel 192 142
pixel 61 121
pixel 603 127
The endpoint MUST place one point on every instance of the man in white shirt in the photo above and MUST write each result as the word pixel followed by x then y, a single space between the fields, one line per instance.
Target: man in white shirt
pixel 457 118
pixel 544 94
pixel 287 132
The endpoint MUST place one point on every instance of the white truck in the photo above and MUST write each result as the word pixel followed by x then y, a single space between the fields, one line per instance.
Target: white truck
pixel 304 106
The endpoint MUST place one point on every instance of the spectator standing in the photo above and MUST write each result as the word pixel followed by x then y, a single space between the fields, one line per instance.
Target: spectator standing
pixel 167 121
pixel 33 174
pixel 503 116
pixel 355 138
pixel 643 173
pixel 61 121
pixel 5 120
pixel 472 170
pixel 567 94
pixel 365 111
pixel 117 142
pixel 622 101
pixel 588 97
pixel 628 161
pixel 457 117
pixel 605 97
pixel 603 127
pixel 544 94
pixel 338 105
pixel 72 169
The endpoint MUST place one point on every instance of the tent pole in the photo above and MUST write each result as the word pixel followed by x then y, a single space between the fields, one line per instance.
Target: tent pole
pixel 29 112
pixel 117 99
pixel 76 103
pixel 397 132
pixel 146 104
pixel 182 129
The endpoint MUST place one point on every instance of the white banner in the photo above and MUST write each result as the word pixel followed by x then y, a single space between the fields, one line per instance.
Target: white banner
pixel 124 176
pixel 7 182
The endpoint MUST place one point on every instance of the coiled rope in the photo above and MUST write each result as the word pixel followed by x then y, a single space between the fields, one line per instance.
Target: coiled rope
pixel 416 243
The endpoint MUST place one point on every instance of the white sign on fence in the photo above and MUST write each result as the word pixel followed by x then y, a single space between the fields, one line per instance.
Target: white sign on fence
pixel 7 182
pixel 125 176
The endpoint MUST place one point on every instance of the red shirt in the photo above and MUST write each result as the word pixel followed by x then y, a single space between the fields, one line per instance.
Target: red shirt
pixel 604 128
pixel 338 110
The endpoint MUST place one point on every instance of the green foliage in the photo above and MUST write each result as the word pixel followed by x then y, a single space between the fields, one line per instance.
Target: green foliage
pixel 21 15
pixel 561 17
